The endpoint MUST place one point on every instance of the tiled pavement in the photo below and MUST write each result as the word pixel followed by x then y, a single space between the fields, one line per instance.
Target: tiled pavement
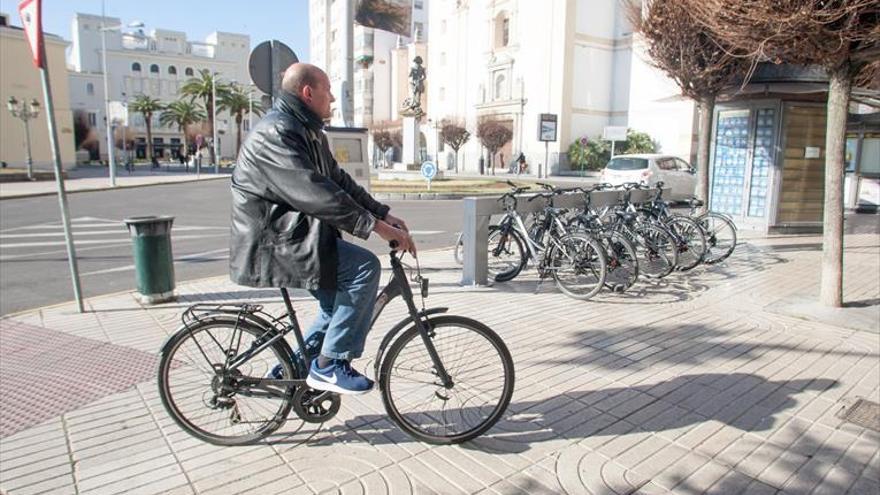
pixel 694 384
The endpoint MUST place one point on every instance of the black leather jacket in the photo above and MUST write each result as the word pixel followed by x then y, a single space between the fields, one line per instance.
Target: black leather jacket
pixel 289 197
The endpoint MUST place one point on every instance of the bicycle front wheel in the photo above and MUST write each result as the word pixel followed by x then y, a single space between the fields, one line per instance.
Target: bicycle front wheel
pixel 690 239
pixel 479 366
pixel 208 401
pixel 657 251
pixel 622 263
pixel 720 237
pixel 578 266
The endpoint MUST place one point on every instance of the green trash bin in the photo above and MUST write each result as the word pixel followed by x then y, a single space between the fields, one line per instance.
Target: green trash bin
pixel 154 264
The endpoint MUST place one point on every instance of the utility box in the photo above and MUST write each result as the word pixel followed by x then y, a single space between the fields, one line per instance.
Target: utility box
pixel 349 147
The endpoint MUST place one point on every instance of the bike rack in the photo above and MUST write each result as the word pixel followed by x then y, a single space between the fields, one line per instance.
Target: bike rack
pixel 243 311
pixel 479 210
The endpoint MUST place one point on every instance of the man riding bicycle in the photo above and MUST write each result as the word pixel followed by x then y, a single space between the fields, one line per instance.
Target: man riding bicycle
pixel 290 200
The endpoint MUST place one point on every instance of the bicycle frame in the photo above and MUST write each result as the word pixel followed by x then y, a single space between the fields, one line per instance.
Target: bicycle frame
pixel 397 286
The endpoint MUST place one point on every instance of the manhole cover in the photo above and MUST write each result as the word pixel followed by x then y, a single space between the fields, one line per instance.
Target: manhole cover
pixel 863 413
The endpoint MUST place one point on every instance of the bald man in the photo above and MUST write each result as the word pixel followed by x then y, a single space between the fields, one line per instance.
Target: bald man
pixel 290 200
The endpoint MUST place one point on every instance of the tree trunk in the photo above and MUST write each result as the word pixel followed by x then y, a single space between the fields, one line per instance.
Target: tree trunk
pixel 706 106
pixel 148 117
pixel 210 108
pixel 185 152
pixel 831 286
pixel 238 120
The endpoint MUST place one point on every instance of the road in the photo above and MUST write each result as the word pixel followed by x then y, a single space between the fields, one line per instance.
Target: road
pixel 33 260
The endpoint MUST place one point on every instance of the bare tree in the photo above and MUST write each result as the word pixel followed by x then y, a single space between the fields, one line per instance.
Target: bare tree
pixel 382 137
pixel 843 36
pixel 455 135
pixel 493 134
pixel 698 63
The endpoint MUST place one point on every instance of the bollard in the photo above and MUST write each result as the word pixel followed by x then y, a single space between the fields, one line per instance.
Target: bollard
pixel 154 264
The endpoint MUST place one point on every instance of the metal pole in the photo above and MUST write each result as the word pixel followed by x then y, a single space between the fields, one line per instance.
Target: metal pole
pixel 110 158
pixel 27 136
pixel 214 119
pixel 348 60
pixel 546 160
pixel 612 148
pixel 59 181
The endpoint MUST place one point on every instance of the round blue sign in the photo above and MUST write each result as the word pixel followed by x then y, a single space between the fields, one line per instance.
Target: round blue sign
pixel 429 170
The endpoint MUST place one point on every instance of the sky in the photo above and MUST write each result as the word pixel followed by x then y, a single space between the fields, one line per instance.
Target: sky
pixel 284 20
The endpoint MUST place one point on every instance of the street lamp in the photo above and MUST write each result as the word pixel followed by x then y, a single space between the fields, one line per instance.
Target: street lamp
pixel 25 112
pixel 214 120
pixel 104 29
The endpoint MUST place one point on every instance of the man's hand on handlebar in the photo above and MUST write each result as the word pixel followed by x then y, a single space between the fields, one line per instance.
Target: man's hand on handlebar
pixel 398 238
pixel 392 220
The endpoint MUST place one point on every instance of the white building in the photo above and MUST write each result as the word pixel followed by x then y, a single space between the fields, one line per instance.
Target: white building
pixel 374 94
pixel 514 60
pixel 155 64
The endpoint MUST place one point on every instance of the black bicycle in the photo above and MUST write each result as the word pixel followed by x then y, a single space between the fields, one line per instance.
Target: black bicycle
pixel 444 379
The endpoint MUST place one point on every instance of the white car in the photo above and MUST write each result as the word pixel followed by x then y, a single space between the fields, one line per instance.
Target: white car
pixel 675 173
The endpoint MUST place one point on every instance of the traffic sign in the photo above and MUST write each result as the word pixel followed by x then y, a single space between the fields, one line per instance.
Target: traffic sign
pixel 429 170
pixel 267 64
pixel 32 23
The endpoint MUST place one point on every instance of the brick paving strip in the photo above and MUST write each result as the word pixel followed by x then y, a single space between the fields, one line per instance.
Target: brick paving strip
pixel 45 373
pixel 697 383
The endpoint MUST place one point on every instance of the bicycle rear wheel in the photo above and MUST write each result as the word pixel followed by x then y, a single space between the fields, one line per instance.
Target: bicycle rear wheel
pixel 720 237
pixel 482 374
pixel 209 402
pixel 577 264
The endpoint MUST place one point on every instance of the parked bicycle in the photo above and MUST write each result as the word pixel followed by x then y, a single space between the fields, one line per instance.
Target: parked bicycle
pixel 444 379
pixel 690 239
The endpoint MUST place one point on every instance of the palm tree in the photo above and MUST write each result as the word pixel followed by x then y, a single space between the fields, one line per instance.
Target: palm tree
pixel 147 106
pixel 238 102
pixel 204 87
pixel 182 113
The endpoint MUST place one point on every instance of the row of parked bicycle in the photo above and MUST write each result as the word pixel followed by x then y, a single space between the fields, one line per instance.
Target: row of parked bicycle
pixel 587 248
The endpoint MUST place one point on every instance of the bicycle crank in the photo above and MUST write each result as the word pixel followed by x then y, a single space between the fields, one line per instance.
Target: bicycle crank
pixel 315 406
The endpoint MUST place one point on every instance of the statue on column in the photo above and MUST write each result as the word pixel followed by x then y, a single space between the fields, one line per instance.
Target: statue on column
pixel 412 106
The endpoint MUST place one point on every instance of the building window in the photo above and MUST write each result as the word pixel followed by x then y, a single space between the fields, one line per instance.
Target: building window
pixel 443 26
pixel 90 89
pixel 502 30
pixel 154 69
pixel 136 67
pixel 442 94
pixel 172 70
pixel 442 58
pixel 418 31
pixel 419 4
pixel 93 119
pixel 188 71
pixel 499 87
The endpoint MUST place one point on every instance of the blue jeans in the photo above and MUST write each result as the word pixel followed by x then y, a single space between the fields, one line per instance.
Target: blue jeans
pixel 344 314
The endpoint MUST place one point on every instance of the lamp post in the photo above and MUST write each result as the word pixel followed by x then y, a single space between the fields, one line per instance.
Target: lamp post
pixel 110 147
pixel 25 112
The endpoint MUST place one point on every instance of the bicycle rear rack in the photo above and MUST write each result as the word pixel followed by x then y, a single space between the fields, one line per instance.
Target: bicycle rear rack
pixel 242 311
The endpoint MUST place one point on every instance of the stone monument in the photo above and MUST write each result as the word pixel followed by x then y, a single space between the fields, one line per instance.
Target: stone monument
pixel 412 113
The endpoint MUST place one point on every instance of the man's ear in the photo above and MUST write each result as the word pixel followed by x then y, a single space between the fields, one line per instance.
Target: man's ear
pixel 307 93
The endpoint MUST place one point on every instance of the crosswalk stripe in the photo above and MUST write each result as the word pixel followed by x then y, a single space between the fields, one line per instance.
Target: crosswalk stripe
pixel 99 241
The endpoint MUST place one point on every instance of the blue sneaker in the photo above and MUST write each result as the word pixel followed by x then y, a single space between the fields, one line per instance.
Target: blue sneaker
pixel 338 377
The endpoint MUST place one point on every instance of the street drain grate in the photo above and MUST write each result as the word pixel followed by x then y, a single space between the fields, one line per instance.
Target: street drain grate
pixel 863 413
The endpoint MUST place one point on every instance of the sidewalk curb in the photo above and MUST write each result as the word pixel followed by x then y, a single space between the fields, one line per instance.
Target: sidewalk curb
pixel 111 188
pixel 427 196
